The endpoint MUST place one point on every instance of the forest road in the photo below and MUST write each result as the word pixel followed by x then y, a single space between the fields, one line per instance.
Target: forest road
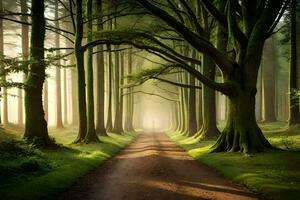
pixel 154 168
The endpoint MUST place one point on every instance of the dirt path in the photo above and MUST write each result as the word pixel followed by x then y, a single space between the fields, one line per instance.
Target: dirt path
pixel 154 168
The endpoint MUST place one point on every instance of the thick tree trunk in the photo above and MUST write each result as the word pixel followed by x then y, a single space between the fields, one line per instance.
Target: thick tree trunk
pixel 241 132
pixel 80 74
pixel 294 117
pixel 91 132
pixel 100 80
pixel 36 126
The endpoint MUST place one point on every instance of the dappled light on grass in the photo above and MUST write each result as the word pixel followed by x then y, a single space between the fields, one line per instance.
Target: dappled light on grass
pixel 50 171
pixel 274 174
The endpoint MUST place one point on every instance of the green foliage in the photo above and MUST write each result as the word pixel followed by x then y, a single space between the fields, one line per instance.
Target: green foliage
pixel 273 174
pixel 41 174
pixel 146 74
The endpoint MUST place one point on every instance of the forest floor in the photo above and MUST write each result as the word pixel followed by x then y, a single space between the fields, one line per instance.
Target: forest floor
pixel 153 167
pixel 28 173
pixel 273 174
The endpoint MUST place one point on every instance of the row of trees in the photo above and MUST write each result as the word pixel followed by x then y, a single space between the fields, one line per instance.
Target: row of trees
pixel 75 32
pixel 195 40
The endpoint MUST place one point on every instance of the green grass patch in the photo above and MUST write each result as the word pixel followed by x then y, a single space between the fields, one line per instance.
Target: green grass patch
pixel 28 173
pixel 273 174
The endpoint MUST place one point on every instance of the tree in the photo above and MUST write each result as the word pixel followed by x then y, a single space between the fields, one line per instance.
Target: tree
pixel 192 103
pixel 81 90
pixel 247 35
pixel 36 126
pixel 100 81
pixel 294 115
pixel 25 54
pixel 59 123
pixel 91 132
pixel 269 66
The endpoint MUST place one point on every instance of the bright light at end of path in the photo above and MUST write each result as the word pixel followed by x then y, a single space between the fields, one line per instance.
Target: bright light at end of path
pixel 154 122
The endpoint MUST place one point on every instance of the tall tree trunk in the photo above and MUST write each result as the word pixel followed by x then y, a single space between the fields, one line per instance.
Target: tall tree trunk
pixel 59 123
pixel 65 97
pixel 268 70
pixel 209 122
pixel 130 109
pixel 74 96
pixel 118 126
pixel 91 132
pixel 36 126
pixel 25 54
pixel 80 74
pixel 109 107
pixel 192 103
pixel 294 116
pixel 100 78
pixel 4 90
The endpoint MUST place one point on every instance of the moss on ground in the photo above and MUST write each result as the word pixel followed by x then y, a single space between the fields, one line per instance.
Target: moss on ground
pixel 274 174
pixel 28 173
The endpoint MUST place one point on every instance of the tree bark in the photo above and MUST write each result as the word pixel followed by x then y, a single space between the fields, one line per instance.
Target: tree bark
pixel 59 123
pixel 268 69
pixel 118 126
pixel 65 97
pixel 100 78
pixel 4 90
pixel 45 98
pixel 36 126
pixel 294 115
pixel 80 74
pixel 209 123
pixel 25 54
pixel 241 132
pixel 91 132
pixel 192 103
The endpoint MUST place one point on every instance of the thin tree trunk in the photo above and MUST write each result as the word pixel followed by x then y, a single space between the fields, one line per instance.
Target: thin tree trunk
pixel 25 54
pixel 192 103
pixel 109 108
pixel 65 97
pixel 117 126
pixel 100 78
pixel 268 73
pixel 59 123
pixel 46 102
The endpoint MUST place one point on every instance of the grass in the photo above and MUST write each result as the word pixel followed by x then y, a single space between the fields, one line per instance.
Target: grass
pixel 33 174
pixel 275 174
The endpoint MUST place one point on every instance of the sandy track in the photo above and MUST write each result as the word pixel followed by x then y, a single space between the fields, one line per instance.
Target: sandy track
pixel 154 168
